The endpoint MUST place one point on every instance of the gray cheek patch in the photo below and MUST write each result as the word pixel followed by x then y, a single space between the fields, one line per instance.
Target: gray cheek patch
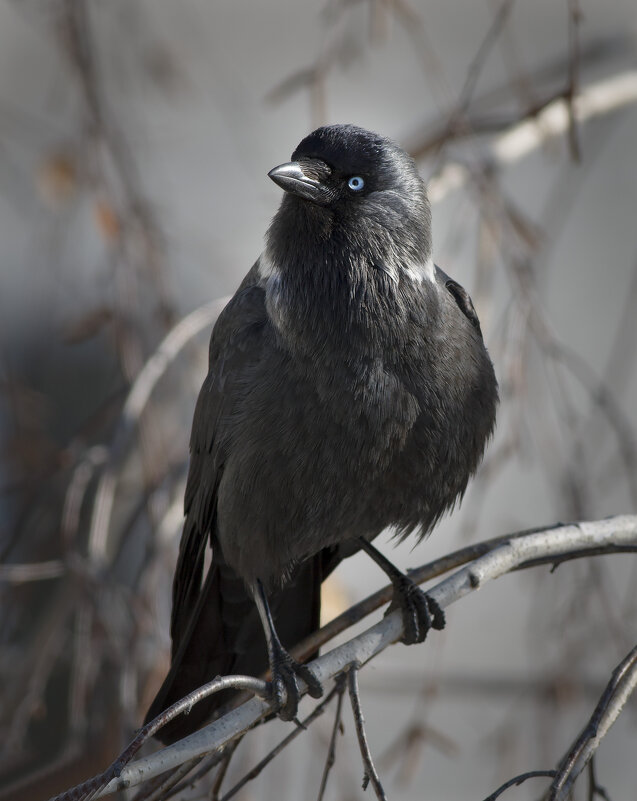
pixel 417 273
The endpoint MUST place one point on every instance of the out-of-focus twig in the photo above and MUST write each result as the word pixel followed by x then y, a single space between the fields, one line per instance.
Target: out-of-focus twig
pixel 138 397
pixel 613 700
pixel 93 787
pixel 37 571
pixel 600 98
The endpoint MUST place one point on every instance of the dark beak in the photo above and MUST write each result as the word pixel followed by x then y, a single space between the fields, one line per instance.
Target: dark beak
pixel 291 178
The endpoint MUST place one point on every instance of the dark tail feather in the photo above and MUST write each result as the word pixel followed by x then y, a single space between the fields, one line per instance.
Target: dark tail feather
pixel 224 636
pixel 202 654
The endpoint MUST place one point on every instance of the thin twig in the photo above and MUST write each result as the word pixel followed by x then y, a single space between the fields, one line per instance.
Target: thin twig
pixel 93 458
pixel 228 753
pixel 168 786
pixel 46 646
pixel 517 780
pixel 338 726
pixel 137 400
pixel 406 749
pixel 600 98
pixel 256 770
pixel 371 774
pixel 92 787
pixel 594 789
pixel 574 22
pixel 34 571
pixel 622 683
pixel 457 118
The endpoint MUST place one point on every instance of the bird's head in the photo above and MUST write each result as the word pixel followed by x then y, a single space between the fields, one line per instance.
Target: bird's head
pixel 360 180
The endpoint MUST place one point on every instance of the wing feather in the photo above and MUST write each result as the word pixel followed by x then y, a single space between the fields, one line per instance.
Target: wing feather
pixel 234 346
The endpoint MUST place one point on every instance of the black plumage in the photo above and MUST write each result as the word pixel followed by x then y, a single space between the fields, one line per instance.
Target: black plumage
pixel 349 391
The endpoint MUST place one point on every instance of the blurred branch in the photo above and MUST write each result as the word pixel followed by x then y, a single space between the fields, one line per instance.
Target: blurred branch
pixel 138 397
pixel 457 120
pixel 516 552
pixel 621 685
pixel 115 169
pixel 47 642
pixel 574 56
pixel 93 788
pixel 37 571
pixel 551 119
pixel 613 700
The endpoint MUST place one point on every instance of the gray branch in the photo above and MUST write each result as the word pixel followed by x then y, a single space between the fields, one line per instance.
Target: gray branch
pixel 558 542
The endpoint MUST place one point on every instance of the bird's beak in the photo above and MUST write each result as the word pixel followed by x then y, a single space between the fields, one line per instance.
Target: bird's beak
pixel 291 178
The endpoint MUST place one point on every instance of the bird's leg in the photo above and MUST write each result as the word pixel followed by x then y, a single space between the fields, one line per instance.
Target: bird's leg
pixel 420 611
pixel 284 669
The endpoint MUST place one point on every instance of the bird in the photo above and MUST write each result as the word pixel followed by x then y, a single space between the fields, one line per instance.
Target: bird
pixel 349 391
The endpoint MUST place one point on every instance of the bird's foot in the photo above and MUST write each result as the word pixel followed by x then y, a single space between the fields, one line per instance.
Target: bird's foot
pixel 420 611
pixel 285 687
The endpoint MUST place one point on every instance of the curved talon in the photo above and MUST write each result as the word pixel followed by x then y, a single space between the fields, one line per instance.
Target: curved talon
pixel 285 687
pixel 285 670
pixel 420 611
pixel 286 696
pixel 437 614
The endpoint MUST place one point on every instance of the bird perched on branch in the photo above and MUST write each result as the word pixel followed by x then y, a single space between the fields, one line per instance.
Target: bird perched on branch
pixel 349 391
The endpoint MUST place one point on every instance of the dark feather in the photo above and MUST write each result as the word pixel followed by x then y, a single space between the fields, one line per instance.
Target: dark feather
pixel 349 390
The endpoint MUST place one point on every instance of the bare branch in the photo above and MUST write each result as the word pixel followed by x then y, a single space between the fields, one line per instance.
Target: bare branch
pixel 517 780
pixel 169 786
pixel 330 758
pixel 36 571
pixel 457 119
pixel 93 788
pixel 512 553
pixel 598 99
pixel 574 22
pixel 613 700
pixel 256 770
pixel 438 568
pixel 138 397
pixel 593 787
pixel 371 775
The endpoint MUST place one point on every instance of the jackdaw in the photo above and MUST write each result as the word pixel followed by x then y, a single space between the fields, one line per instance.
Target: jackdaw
pixel 349 391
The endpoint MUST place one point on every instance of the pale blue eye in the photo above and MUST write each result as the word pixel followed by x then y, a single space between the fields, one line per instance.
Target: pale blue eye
pixel 356 183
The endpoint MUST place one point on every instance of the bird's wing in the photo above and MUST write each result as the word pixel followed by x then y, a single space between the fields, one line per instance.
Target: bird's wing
pixel 215 628
pixel 234 347
pixel 461 296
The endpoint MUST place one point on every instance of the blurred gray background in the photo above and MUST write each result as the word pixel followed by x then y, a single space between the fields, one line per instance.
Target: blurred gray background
pixel 135 141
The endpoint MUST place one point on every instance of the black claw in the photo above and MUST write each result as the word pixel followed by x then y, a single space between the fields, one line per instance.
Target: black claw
pixel 437 615
pixel 285 688
pixel 290 707
pixel 420 611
